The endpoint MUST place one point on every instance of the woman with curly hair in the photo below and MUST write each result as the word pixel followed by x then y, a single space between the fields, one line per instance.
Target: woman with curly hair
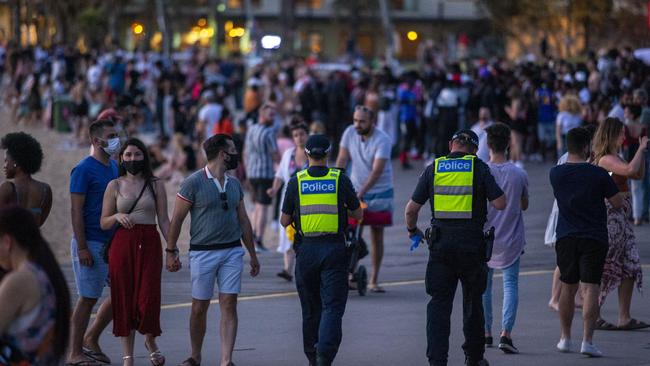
pixel 23 158
pixel 622 269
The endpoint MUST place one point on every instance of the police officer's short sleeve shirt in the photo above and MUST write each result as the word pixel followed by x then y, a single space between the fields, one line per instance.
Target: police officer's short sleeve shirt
pixel 485 189
pixel 346 195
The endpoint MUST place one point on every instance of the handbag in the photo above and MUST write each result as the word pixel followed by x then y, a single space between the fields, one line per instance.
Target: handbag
pixel 551 224
pixel 107 245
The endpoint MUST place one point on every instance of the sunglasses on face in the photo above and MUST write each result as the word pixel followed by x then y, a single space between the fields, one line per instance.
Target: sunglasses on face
pixel 224 200
pixel 365 109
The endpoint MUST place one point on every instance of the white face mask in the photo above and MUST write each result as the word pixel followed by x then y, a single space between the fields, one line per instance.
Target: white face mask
pixel 113 146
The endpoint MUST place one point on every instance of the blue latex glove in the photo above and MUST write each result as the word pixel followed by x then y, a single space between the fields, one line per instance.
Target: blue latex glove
pixel 415 241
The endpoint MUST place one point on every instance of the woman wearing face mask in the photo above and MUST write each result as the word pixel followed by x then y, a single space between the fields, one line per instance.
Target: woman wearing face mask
pixel 293 160
pixel 135 254
pixel 23 157
pixel 34 297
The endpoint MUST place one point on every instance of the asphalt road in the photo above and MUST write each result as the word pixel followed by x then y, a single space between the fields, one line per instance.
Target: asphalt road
pixel 388 329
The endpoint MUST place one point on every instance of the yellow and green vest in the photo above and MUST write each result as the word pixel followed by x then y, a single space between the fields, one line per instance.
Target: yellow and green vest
pixel 318 203
pixel 453 184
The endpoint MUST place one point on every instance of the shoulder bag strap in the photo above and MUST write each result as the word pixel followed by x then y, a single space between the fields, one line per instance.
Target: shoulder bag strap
pixel 144 187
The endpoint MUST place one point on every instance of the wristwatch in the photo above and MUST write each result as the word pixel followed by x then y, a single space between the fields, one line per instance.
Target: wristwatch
pixel 174 251
pixel 412 230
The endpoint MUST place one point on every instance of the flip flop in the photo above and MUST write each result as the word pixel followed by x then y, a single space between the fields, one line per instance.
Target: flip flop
pixel 633 324
pixel 98 356
pixel 602 324
pixel 377 289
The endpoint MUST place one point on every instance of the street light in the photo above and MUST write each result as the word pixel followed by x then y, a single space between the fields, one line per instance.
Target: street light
pixel 137 28
pixel 412 36
pixel 271 42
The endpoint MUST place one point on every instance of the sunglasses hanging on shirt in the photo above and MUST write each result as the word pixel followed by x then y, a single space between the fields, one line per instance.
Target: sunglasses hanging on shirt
pixel 224 200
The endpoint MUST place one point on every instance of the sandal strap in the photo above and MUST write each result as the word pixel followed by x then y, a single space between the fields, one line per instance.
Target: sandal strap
pixel 127 357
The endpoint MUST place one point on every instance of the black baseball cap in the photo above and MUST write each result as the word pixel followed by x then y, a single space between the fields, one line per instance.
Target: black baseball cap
pixel 466 135
pixel 317 146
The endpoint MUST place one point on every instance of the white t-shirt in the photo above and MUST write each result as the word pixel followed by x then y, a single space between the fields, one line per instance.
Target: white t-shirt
pixel 483 152
pixel 363 155
pixel 94 75
pixel 286 169
pixel 210 114
pixel 568 121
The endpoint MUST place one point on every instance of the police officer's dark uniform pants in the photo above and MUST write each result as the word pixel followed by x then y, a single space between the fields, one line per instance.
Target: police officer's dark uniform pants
pixel 450 261
pixel 322 282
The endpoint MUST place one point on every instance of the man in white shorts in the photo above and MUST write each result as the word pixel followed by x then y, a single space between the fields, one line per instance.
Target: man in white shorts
pixel 219 223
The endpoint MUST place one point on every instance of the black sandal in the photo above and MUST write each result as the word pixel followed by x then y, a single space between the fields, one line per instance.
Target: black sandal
pixel 190 362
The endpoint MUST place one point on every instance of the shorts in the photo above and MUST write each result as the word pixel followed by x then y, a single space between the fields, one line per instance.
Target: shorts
pixel 260 186
pixel 224 265
pixel 90 280
pixel 380 208
pixel 546 132
pixel 580 260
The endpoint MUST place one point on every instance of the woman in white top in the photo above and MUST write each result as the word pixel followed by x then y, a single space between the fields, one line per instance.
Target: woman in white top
pixel 293 161
pixel 570 117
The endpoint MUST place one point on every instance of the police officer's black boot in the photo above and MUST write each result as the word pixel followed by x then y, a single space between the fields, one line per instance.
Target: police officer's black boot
pixel 321 360
pixel 473 362
pixel 311 357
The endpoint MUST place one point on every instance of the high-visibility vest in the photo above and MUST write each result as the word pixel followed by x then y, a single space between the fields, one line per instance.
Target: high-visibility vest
pixel 318 203
pixel 453 184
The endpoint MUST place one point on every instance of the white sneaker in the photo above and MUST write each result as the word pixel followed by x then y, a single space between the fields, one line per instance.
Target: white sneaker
pixel 590 350
pixel 564 345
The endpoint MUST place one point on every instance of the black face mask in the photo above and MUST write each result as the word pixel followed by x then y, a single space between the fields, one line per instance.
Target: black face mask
pixel 232 162
pixel 134 166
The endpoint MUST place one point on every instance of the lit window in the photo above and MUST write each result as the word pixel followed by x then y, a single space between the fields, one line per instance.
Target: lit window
pixel 239 4
pixel 312 4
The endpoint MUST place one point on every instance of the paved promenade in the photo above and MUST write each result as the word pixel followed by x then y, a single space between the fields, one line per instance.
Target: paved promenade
pixel 388 329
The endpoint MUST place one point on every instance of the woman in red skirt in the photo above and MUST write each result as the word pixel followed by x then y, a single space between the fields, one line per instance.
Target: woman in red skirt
pixel 132 202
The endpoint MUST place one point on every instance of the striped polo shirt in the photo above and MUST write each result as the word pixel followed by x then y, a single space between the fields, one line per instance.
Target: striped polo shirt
pixel 211 226
pixel 260 145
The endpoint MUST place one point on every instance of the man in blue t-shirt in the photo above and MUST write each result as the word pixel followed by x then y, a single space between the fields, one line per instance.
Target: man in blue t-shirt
pixel 87 185
pixel 581 189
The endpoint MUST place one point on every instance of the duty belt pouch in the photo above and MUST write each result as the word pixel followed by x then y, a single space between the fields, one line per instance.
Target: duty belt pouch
pixel 489 243
pixel 432 235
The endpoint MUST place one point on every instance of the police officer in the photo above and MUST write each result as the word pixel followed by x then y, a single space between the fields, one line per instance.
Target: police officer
pixel 317 203
pixel 458 186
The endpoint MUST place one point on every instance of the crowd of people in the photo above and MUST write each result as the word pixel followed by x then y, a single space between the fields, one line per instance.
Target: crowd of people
pixel 188 120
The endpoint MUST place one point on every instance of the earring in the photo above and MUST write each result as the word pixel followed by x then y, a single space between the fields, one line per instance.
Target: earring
pixel 15 166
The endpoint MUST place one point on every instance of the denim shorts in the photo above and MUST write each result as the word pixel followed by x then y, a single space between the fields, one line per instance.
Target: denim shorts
pixel 90 280
pixel 223 265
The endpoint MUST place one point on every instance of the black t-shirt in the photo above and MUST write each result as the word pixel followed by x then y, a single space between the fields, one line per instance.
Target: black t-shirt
pixel 581 190
pixel 485 189
pixel 347 198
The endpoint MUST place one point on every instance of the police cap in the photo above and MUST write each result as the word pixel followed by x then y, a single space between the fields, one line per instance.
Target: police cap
pixel 318 146
pixel 466 135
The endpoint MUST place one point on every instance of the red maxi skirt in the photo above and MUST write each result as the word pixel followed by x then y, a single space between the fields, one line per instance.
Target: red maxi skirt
pixel 135 266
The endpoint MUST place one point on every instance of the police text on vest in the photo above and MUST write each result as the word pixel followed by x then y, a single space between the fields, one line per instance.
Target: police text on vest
pixel 454 165
pixel 318 187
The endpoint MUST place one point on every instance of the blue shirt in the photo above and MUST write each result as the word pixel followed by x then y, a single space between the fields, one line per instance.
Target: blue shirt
pixel 407 105
pixel 90 178
pixel 546 107
pixel 581 190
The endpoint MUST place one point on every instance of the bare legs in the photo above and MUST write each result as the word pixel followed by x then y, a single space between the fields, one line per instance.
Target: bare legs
pixel 228 326
pixel 80 335
pixel 377 240
pixel 589 312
